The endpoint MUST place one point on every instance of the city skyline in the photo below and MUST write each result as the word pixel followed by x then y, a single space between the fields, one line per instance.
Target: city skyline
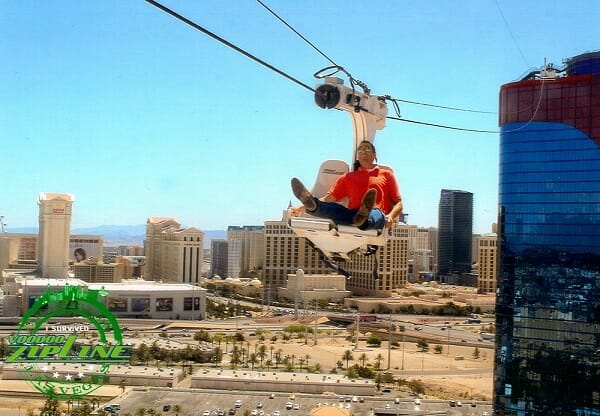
pixel 138 115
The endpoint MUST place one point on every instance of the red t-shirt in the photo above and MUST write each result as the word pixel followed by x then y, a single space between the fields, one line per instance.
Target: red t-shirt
pixel 355 184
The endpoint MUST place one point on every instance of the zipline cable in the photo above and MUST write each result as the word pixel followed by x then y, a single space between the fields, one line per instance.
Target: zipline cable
pixel 229 44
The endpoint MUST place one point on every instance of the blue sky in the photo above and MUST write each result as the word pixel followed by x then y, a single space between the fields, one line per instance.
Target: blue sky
pixel 137 114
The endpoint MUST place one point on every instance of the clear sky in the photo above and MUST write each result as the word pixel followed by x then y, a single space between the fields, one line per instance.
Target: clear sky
pixel 137 114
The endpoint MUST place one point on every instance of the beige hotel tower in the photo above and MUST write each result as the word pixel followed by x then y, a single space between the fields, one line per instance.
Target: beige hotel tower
pixel 54 233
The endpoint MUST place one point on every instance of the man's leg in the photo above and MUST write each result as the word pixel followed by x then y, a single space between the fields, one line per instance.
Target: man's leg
pixel 329 210
pixel 376 220
pixel 334 211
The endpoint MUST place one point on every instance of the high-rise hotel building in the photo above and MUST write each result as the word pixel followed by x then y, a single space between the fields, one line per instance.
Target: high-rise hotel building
pixel 547 358
pixel 284 254
pixel 487 262
pixel 245 250
pixel 375 275
pixel 54 231
pixel 173 254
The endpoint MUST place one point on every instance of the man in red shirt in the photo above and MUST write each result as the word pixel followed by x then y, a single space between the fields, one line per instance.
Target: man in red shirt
pixel 374 199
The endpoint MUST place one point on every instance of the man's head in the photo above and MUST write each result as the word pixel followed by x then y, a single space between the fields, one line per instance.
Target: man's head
pixel 365 154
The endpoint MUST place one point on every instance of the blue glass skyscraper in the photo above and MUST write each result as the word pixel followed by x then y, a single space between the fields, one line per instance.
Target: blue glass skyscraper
pixel 548 303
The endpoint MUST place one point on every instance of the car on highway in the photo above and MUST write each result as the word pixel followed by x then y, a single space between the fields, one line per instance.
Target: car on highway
pixel 206 413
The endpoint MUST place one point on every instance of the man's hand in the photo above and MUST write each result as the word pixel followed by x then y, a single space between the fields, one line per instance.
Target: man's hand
pixel 297 211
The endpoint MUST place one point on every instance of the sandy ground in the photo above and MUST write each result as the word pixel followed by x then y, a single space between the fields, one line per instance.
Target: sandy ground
pixel 443 376
pixel 18 406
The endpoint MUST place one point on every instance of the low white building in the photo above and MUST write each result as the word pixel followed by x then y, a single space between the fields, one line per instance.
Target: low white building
pixel 309 287
pixel 127 299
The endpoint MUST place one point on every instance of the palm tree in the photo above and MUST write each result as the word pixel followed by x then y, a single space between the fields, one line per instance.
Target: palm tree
pixel 378 359
pixel 218 356
pixel 347 356
pixel 363 359
pixel 218 338
pixel 122 385
pixel 301 361
pixel 307 357
pixel 95 402
pixel 253 359
pixel 262 353
pixel 236 355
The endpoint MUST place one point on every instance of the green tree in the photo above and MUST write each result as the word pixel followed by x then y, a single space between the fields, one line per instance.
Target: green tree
pixel 143 353
pixel 476 353
pixel 202 335
pixel 84 409
pixel 374 340
pixel 422 345
pixel 51 408
pixel 416 386
pixel 122 385
pixel 3 348
pixel 141 411
pixel 438 349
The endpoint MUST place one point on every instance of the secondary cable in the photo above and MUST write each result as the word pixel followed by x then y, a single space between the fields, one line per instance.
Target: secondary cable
pixel 350 77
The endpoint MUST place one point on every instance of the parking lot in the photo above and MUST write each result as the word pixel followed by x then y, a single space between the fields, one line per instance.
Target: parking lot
pixel 195 402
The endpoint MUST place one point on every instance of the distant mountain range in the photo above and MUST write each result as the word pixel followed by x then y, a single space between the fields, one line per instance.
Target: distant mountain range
pixel 116 235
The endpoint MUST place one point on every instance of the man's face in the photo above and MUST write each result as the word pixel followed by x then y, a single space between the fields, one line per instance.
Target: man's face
pixel 365 154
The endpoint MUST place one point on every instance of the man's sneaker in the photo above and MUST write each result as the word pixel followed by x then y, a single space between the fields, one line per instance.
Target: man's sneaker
pixel 365 208
pixel 303 195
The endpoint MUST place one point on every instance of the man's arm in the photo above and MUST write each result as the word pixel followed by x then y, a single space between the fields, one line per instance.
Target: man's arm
pixel 393 214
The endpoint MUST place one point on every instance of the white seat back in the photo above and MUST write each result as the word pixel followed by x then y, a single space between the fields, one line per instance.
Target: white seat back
pixel 329 171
